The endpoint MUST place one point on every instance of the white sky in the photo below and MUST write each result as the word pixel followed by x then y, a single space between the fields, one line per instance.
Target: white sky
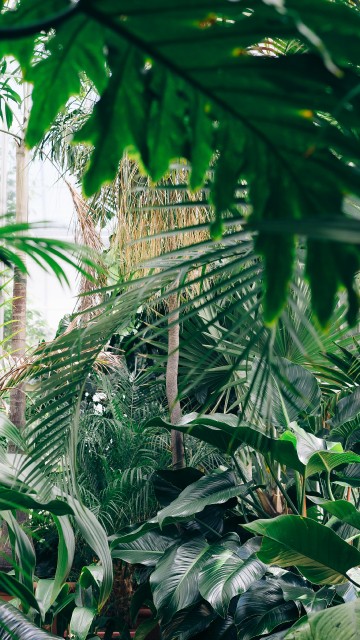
pixel 50 201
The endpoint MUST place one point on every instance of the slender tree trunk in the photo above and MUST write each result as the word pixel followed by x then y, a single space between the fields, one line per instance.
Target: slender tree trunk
pixel 3 210
pixel 17 395
pixel 172 369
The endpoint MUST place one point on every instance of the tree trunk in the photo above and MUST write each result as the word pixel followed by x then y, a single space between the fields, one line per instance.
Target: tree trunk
pixel 3 210
pixel 172 369
pixel 17 395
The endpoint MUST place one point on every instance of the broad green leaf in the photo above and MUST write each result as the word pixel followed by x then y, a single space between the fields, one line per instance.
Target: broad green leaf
pixel 188 622
pixel 278 264
pixel 168 484
pixel 262 609
pixel 44 589
pixel 202 140
pixel 95 536
pixel 27 13
pixel 318 455
pixel 346 432
pixel 216 488
pixel 343 510
pixel 145 628
pixel 319 554
pixel 286 107
pixel 346 409
pixel 63 600
pixel 16 626
pixel 311 600
pixel 24 555
pixel 141 596
pixel 147 550
pixel 350 477
pixel 306 443
pixel 56 77
pixel 174 583
pixel 11 499
pixel 222 431
pixel 119 119
pixel 167 131
pixel 81 621
pixel 10 432
pixel 343 621
pixel 91 576
pixel 329 460
pixel 220 629
pixel 226 575
pixel 128 534
pixel 66 552
pixel 14 588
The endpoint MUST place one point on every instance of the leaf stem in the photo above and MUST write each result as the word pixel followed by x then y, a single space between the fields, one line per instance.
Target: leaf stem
pixel 255 506
pixel 207 526
pixel 243 478
pixel 282 489
pixel 303 496
pixel 328 487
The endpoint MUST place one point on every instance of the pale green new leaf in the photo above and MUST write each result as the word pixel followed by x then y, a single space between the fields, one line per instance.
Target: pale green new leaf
pixel 81 621
pixel 44 589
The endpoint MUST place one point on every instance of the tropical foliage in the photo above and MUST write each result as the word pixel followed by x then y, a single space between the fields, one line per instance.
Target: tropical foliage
pixel 257 106
pixel 309 126
pixel 208 574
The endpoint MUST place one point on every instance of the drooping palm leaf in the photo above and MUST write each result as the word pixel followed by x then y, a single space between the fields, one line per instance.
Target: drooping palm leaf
pixel 49 253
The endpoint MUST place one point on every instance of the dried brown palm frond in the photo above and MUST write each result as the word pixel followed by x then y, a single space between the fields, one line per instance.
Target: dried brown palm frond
pixel 87 234
pixel 147 212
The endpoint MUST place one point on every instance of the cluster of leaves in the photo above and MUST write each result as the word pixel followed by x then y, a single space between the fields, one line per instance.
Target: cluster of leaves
pixel 35 498
pixel 275 121
pixel 204 577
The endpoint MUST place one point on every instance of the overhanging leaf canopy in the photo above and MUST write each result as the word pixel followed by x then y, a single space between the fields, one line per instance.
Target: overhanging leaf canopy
pixel 186 80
